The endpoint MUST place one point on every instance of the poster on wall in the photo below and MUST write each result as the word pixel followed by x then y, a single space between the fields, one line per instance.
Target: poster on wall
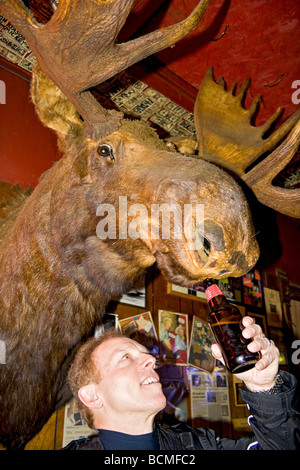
pixel 295 315
pixel 173 337
pixel 187 292
pixel 141 329
pixel 230 286
pixel 252 288
pixel 200 354
pixel 75 427
pixel 109 322
pixel 237 386
pixel 135 297
pixel 273 307
pixel 209 396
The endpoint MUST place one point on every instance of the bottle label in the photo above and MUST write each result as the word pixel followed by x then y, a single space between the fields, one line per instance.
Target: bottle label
pixel 212 291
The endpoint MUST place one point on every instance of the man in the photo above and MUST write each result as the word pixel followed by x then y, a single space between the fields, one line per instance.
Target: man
pixel 119 391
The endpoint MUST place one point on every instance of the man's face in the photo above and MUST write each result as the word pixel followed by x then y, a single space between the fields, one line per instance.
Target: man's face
pixel 181 332
pixel 129 383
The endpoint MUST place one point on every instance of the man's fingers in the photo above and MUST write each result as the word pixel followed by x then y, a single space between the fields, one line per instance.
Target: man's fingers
pixel 216 352
pixel 260 343
pixel 269 354
pixel 265 361
pixel 252 331
pixel 247 321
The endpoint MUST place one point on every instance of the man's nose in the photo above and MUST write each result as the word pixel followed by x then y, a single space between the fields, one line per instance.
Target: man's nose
pixel 148 361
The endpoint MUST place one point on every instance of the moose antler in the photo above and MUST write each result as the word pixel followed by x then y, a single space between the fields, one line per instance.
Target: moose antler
pixel 77 49
pixel 227 138
pixel 259 179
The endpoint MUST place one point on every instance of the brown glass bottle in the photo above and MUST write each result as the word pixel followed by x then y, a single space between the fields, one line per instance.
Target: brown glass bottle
pixel 225 322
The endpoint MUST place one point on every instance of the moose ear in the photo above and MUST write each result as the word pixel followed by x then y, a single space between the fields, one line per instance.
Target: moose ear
pixel 52 106
pixel 90 397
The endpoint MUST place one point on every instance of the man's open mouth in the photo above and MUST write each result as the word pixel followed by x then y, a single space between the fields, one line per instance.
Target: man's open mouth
pixel 150 380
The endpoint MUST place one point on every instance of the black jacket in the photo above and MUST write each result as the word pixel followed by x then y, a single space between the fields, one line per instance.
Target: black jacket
pixel 274 420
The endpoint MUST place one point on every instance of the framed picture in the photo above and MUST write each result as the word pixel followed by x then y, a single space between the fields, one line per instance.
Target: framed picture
pixel 273 307
pixel 200 355
pixel 284 285
pixel 141 328
pixel 209 396
pixel 109 322
pixel 187 292
pixel 230 286
pixel 173 337
pixel 295 315
pixel 252 288
pixel 237 385
pixel 136 297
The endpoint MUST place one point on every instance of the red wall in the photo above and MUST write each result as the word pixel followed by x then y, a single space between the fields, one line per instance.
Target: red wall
pixel 289 260
pixel 27 148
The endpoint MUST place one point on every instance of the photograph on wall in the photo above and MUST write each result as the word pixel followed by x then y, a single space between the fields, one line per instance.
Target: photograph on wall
pixel 209 396
pixel 273 307
pixel 237 385
pixel 252 288
pixel 200 354
pixel 295 315
pixel 109 322
pixel 173 337
pixel 136 296
pixel 231 288
pixel 187 292
pixel 284 286
pixel 75 427
pixel 141 329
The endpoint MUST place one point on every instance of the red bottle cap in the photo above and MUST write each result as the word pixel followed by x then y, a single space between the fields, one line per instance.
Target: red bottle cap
pixel 212 291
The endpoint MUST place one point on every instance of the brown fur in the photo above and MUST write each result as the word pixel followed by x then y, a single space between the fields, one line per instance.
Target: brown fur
pixel 12 197
pixel 57 275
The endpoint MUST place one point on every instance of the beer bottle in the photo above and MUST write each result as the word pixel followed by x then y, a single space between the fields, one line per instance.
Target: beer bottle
pixel 225 321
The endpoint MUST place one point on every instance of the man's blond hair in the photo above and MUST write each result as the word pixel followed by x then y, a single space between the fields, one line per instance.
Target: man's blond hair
pixel 84 371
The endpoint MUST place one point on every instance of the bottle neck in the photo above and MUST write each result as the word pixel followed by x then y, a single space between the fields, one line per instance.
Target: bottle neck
pixel 215 298
pixel 212 291
pixel 219 302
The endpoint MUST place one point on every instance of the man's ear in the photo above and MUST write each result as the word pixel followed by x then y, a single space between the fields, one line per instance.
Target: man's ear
pixel 89 396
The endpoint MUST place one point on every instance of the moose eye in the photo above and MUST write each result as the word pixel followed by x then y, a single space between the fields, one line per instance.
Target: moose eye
pixel 105 150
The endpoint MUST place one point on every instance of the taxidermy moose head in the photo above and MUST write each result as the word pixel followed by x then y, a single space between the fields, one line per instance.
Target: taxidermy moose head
pixel 57 273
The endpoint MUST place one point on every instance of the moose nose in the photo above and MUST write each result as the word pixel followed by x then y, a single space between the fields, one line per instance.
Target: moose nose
pixel 239 259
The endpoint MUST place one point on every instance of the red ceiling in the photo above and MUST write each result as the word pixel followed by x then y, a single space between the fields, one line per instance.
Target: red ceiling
pixel 262 41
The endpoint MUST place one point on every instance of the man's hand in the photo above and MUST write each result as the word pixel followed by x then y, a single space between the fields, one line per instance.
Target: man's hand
pixel 262 377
